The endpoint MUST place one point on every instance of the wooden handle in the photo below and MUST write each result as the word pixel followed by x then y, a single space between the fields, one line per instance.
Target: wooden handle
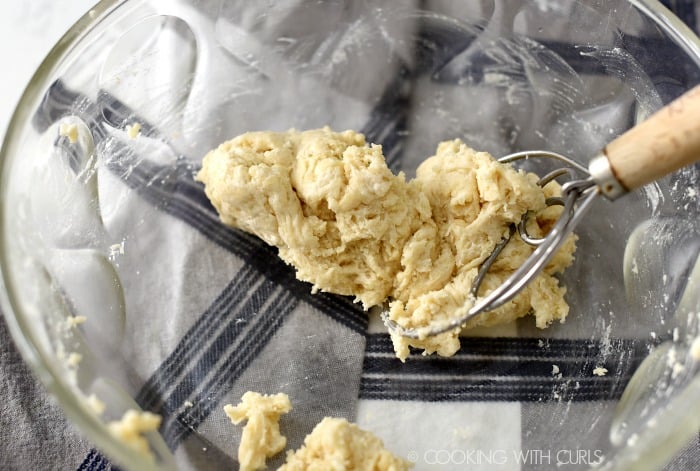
pixel 667 141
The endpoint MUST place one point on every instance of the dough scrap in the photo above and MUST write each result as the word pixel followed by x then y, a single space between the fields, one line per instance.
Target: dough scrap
pixel 349 226
pixel 132 426
pixel 69 130
pixel 333 445
pixel 133 130
pixel 337 445
pixel 261 437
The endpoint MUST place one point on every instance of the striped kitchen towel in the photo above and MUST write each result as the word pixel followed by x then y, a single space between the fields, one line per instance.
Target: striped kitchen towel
pixel 230 316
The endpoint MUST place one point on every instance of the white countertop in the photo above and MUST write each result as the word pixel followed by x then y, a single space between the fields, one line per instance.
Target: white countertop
pixel 28 31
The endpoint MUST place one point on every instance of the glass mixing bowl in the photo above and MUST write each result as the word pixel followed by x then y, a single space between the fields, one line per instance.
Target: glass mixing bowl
pixel 122 289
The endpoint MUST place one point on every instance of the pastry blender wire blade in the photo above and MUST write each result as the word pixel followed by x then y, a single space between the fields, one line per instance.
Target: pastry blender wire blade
pixel 664 143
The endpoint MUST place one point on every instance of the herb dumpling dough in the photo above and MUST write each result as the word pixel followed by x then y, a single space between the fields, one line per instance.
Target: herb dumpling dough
pixel 327 200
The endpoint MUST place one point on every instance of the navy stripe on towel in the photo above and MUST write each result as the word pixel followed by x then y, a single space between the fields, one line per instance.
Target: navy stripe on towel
pixel 209 394
pixel 502 369
pixel 94 461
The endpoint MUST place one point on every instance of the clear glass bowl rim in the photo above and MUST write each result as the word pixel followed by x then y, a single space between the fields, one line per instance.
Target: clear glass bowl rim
pixel 52 378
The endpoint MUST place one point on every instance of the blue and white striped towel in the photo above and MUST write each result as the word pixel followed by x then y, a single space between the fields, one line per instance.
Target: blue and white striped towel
pixel 231 317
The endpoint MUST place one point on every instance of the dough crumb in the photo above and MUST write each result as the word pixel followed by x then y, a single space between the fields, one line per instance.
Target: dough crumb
pixel 677 369
pixel 133 130
pixel 115 250
pixel 95 404
pixel 132 426
pixel 74 359
pixel 336 444
pixel 600 371
pixel 73 321
pixel 695 349
pixel 349 226
pixel 556 373
pixel 261 436
pixel 188 404
pixel 70 131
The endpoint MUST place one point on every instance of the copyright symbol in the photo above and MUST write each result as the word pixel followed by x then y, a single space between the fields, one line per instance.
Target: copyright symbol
pixel 412 456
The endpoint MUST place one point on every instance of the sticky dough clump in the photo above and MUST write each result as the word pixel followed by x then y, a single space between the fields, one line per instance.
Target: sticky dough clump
pixel 349 226
pixel 336 444
pixel 261 437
